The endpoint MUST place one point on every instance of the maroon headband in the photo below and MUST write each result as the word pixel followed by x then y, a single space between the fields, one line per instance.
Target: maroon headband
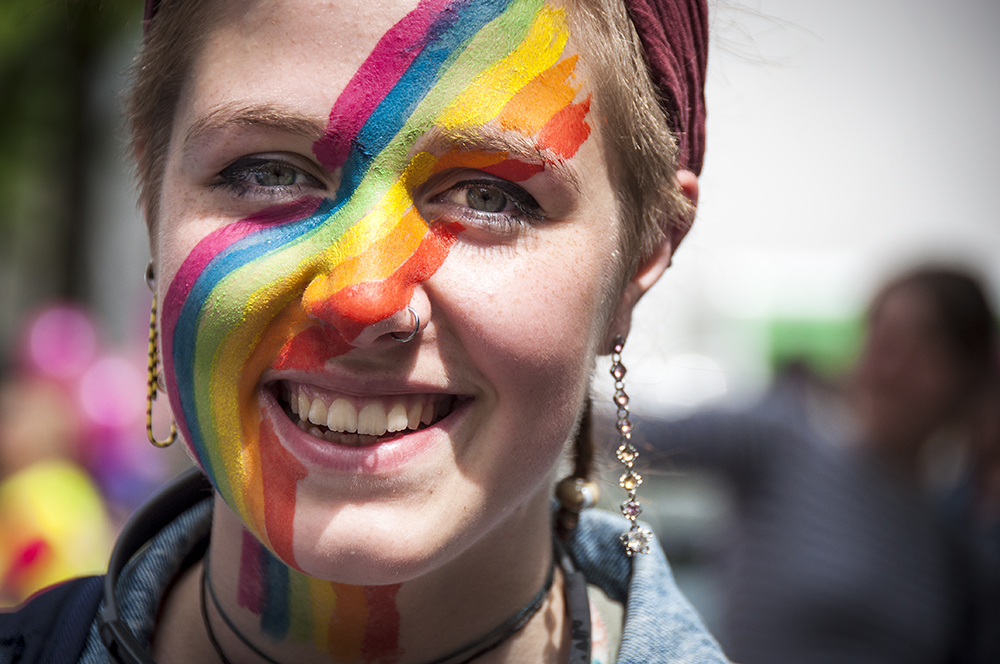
pixel 674 35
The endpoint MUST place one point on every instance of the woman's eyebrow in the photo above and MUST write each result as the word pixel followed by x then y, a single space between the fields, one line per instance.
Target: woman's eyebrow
pixel 488 138
pixel 229 116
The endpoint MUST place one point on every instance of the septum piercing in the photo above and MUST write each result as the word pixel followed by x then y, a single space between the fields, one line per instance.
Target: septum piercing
pixel 414 331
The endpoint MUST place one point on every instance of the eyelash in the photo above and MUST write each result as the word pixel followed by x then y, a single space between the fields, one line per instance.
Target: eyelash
pixel 527 210
pixel 236 178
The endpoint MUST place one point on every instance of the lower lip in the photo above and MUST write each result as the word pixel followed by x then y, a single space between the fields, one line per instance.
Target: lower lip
pixel 378 458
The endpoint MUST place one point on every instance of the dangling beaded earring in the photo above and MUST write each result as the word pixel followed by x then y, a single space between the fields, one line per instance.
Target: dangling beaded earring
pixel 153 375
pixel 637 539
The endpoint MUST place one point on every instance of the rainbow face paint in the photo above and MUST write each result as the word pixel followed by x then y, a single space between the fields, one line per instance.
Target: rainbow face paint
pixel 296 284
pixel 351 623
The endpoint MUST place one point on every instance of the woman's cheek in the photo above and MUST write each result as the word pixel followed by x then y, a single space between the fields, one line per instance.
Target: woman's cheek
pixel 535 302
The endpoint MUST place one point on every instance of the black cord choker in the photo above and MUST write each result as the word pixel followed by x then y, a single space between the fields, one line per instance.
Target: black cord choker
pixel 463 655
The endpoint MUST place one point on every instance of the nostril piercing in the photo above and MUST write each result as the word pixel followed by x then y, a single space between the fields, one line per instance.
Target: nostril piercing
pixel 414 331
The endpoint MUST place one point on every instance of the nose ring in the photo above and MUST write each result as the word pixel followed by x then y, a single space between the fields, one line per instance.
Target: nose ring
pixel 414 331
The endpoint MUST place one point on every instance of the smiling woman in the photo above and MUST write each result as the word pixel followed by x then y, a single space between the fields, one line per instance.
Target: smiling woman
pixel 324 180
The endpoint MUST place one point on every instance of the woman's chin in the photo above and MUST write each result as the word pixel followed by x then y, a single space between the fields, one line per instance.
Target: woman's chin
pixel 360 552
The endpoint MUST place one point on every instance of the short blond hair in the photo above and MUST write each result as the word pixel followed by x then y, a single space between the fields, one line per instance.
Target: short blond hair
pixel 640 150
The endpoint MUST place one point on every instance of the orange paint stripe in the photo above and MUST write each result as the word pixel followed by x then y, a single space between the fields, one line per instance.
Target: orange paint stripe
pixel 348 622
pixel 457 158
pixel 392 249
pixel 353 309
pixel 292 320
pixel 538 101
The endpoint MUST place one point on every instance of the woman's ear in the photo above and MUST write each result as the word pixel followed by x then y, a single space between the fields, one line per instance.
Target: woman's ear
pixel 655 265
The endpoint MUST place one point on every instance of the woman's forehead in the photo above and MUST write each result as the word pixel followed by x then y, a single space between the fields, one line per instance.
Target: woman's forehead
pixel 301 54
pixel 298 51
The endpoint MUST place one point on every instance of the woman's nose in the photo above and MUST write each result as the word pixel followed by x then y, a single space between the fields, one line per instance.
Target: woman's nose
pixel 366 314
pixel 404 325
pixel 378 291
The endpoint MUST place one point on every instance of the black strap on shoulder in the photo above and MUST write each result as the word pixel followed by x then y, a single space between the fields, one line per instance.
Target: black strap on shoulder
pixel 52 627
pixel 183 493
pixel 577 607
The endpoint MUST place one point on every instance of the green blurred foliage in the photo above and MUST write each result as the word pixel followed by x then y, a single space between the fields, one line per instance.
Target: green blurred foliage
pixel 828 346
pixel 47 54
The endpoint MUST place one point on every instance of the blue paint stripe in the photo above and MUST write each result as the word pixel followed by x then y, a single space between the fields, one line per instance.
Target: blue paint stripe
pixel 445 36
pixel 254 246
pixel 274 620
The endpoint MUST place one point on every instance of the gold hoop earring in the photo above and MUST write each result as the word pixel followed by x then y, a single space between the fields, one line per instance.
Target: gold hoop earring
pixel 152 373
pixel 637 539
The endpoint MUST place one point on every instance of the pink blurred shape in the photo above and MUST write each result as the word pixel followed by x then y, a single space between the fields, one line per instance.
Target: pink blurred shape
pixel 62 342
pixel 111 392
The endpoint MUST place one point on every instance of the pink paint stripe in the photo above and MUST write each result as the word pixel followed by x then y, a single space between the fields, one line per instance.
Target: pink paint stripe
pixel 218 241
pixel 213 245
pixel 388 61
pixel 251 586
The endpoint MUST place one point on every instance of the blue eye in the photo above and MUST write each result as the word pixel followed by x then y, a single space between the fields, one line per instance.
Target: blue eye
pixel 485 199
pixel 496 205
pixel 268 177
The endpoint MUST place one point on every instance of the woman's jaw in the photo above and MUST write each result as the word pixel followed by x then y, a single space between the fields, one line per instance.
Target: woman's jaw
pixel 380 588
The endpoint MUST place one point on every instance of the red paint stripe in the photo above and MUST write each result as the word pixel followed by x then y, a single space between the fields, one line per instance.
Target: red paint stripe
pixel 206 250
pixel 311 348
pixel 513 170
pixel 280 472
pixel 354 308
pixel 250 593
pixel 381 642
pixel 567 130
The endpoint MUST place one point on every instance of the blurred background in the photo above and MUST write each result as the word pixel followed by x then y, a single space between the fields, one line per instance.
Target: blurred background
pixel 846 142
pixel 73 304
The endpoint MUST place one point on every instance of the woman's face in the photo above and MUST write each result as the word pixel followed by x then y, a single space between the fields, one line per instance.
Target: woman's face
pixel 331 164
pixel 909 377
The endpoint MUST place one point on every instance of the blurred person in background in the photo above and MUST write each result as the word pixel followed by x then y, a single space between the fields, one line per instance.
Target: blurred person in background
pixel 973 502
pixel 72 462
pixel 839 552
pixel 53 520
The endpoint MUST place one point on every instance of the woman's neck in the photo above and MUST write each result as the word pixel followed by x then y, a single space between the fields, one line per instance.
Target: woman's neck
pixel 261 606
pixel 348 623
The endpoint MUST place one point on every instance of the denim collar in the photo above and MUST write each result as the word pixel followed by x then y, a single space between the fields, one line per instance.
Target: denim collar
pixel 660 626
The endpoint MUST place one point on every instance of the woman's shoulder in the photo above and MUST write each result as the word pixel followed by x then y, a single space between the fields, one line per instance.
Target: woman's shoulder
pixel 53 625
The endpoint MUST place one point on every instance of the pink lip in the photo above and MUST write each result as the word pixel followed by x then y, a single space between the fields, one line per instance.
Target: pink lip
pixel 379 459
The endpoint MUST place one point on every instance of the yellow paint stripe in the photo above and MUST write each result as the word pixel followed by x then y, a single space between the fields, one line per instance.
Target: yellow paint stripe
pixel 489 92
pixel 324 602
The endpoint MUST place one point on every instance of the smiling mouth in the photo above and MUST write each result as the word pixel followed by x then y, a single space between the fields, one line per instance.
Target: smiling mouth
pixel 357 421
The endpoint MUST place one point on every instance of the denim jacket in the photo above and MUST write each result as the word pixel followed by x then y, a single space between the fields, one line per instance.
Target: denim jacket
pixel 660 624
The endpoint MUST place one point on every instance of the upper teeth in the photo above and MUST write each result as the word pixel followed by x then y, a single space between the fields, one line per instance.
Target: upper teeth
pixel 375 418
